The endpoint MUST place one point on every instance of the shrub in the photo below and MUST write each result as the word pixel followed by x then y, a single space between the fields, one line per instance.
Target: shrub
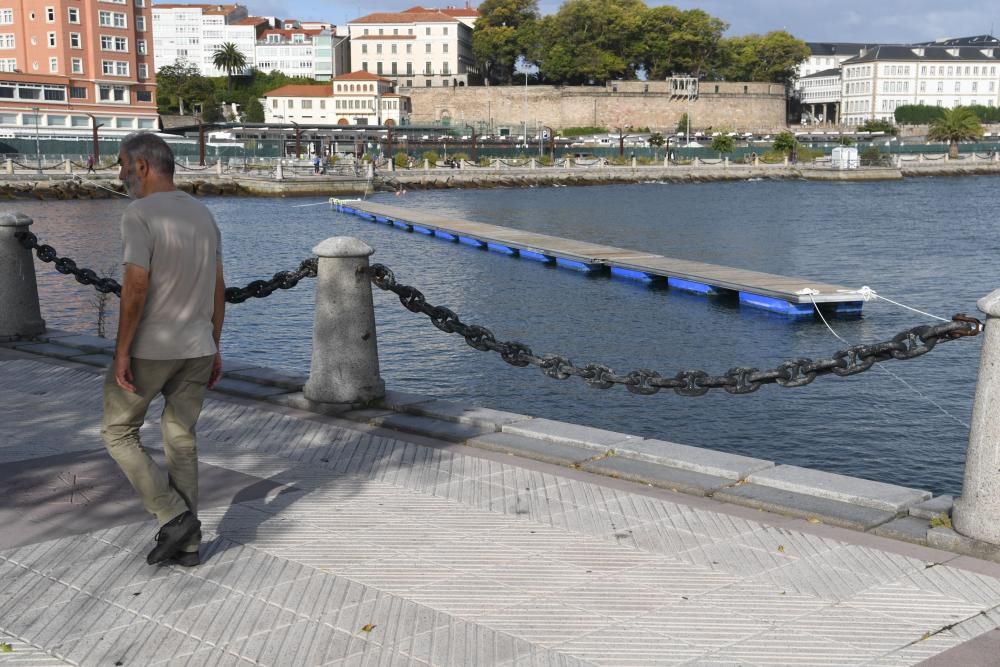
pixel 432 157
pixel 878 126
pixel 459 156
pixel 785 143
pixel 807 154
pixel 582 131
pixel 484 162
pixel 870 155
pixel 400 159
pixel 545 161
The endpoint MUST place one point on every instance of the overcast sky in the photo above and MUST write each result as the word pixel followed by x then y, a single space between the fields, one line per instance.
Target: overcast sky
pixel 839 20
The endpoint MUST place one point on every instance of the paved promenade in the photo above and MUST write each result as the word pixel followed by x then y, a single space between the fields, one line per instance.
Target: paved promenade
pixel 328 542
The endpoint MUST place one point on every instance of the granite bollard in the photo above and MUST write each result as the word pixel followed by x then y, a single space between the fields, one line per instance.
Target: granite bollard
pixel 345 368
pixel 975 513
pixel 20 315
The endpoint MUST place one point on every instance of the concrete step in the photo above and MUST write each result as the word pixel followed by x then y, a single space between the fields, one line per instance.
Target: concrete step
pixel 841 488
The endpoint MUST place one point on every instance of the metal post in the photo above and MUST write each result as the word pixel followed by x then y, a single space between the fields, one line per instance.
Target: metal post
pixel 975 513
pixel 345 368
pixel 38 145
pixel 201 144
pixel 20 315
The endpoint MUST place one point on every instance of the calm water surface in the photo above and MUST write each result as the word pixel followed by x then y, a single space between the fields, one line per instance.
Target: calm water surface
pixel 928 243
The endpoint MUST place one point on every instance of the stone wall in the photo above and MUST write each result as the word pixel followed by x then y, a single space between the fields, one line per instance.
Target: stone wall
pixel 762 107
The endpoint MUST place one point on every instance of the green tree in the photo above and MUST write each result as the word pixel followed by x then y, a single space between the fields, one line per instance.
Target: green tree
pixel 683 124
pixel 588 41
pixel 693 44
pixel 845 141
pixel 253 111
pixel 656 140
pixel 771 58
pixel 230 59
pixel 955 125
pixel 879 126
pixel 500 36
pixel 723 143
pixel 785 143
pixel 173 83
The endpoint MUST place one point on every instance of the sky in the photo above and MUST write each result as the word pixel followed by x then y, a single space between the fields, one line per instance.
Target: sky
pixel 840 21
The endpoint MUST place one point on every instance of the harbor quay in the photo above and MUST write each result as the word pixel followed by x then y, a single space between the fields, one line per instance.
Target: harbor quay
pixel 345 523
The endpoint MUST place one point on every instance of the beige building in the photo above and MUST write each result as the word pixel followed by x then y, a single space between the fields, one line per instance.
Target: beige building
pixel 418 47
pixel 358 98
pixel 66 64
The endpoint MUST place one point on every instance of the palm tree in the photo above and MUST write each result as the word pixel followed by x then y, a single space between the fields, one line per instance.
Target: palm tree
pixel 228 57
pixel 955 125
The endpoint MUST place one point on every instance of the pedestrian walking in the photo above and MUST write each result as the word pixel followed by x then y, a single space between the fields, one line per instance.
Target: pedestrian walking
pixel 316 162
pixel 172 310
pixel 90 164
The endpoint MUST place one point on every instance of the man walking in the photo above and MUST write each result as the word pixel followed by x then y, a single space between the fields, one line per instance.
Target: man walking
pixel 90 164
pixel 172 309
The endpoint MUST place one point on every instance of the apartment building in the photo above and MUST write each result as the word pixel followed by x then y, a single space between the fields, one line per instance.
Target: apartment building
pixel 417 47
pixel 881 79
pixel 68 64
pixel 820 94
pixel 357 98
pixel 310 49
pixel 192 33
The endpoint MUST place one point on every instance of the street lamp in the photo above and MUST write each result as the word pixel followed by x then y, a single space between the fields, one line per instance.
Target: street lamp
pixel 475 152
pixel 38 145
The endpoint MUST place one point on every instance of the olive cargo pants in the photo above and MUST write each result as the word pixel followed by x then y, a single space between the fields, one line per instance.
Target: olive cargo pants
pixel 183 383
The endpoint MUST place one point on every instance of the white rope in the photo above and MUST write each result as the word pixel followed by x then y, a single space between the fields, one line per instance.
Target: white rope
pixel 867 294
pixel 98 185
pixel 322 203
pixel 882 367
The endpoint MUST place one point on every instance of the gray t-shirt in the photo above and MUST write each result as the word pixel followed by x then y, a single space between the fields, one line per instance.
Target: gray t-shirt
pixel 175 238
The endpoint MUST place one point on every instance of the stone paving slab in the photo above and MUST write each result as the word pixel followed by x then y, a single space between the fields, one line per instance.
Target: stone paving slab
pixel 695 459
pixel 532 448
pixel 569 434
pixel 933 507
pixel 246 389
pixel 805 506
pixel 876 495
pixel 94 344
pixel 371 550
pixel 907 528
pixel 685 481
pixel 268 376
pixel 49 349
pixel 464 414
pixel 432 428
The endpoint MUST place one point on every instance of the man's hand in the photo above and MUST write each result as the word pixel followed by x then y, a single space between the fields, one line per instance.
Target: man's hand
pixel 123 373
pixel 216 371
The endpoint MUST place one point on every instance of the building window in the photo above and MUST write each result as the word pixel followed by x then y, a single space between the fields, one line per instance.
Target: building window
pixel 958 86
pixel 409 49
pixel 427 48
pixel 378 48
pixel 364 66
pixel 53 65
pixel 378 67
pixel 394 68
pixel 975 86
pixel 444 68
pixel 51 37
pixel 77 92
pixel 74 41
pixel 51 119
pixel 444 48
pixel 307 104
pixel 7 41
pixel 274 104
pixel 143 71
pixel 291 104
pixel 140 46
pixel 6 16
pixel 446 30
pixel 364 48
pixel 140 24
pixel 427 31
pixel 427 68
pixel 50 14
pixel 409 71
pixel 393 49
pixel 923 86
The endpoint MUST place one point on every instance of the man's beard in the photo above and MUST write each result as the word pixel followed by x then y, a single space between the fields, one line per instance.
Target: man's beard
pixel 132 184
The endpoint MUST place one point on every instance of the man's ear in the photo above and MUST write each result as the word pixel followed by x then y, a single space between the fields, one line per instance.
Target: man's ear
pixel 141 167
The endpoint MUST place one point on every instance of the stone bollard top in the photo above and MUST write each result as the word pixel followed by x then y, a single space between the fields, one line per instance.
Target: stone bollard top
pixel 14 220
pixel 990 304
pixel 343 246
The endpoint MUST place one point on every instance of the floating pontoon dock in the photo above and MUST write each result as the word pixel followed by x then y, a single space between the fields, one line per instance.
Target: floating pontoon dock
pixel 791 296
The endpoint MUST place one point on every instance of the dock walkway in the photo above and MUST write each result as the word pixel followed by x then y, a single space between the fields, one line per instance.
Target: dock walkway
pixel 329 542
pixel 788 295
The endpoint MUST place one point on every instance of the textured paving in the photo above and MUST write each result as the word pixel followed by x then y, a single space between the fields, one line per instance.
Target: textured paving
pixel 361 549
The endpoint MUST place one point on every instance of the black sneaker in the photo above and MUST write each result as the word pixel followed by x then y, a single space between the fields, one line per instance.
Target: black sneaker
pixel 186 558
pixel 172 536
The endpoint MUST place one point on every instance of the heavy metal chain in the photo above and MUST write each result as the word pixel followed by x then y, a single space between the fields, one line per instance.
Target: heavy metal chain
pixel 856 359
pixel 256 289
pixel 793 373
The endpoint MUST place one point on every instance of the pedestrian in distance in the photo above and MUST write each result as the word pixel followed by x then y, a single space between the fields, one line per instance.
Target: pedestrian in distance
pixel 316 162
pixel 170 323
pixel 90 164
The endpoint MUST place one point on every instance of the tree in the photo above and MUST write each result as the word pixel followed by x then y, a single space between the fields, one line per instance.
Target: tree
pixel 879 126
pixel 723 143
pixel 683 124
pixel 229 58
pixel 656 140
pixel 173 84
pixel 955 125
pixel 772 58
pixel 253 111
pixel 785 143
pixel 693 44
pixel 845 141
pixel 501 35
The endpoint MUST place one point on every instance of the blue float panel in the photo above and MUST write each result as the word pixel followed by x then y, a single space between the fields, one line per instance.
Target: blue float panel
pixel 691 286
pixel 630 274
pixel 475 243
pixel 348 209
pixel 848 307
pixel 401 225
pixel 422 230
pixel 496 247
pixel 445 235
pixel 366 216
pixel 577 266
pixel 777 305
pixel 536 256
pixel 379 218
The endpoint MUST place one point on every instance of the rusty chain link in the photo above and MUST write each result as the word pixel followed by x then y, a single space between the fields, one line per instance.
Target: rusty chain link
pixel 856 359
pixel 793 373
pixel 256 289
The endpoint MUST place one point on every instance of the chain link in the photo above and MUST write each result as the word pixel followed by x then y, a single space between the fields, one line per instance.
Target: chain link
pixel 793 373
pixel 256 289
pixel 856 359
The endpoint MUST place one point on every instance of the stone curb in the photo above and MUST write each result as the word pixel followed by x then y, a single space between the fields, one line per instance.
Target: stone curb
pixel 887 510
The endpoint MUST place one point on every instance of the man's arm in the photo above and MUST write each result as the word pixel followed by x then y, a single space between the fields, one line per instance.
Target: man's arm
pixel 135 288
pixel 218 317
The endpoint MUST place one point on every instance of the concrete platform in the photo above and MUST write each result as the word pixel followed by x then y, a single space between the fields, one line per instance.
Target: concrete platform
pixel 364 546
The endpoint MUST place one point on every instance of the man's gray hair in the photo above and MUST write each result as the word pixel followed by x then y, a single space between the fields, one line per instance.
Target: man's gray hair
pixel 150 148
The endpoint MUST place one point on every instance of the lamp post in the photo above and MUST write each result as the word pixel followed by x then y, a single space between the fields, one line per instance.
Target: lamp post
pixel 475 153
pixel 298 135
pixel 525 135
pixel 97 145
pixel 38 146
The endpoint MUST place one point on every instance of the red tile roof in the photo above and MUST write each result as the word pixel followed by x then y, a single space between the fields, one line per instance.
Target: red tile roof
pixel 301 90
pixel 409 16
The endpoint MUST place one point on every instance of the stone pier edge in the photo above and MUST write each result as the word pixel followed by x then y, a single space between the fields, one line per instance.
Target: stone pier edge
pixel 886 510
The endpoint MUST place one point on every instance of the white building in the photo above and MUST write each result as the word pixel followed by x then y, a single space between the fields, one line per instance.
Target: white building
pixel 357 98
pixel 417 47
pixel 819 94
pixel 828 55
pixel 881 79
pixel 192 33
